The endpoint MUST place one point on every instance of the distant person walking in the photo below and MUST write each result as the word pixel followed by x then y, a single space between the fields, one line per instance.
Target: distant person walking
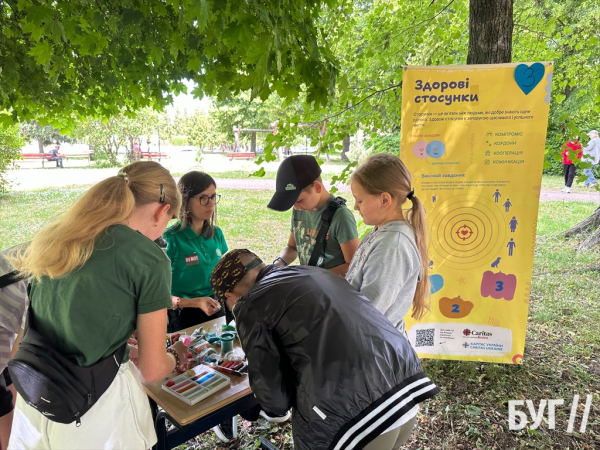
pixel 568 166
pixel 136 151
pixel 591 154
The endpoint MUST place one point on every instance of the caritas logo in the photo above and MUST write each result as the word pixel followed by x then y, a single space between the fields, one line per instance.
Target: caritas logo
pixel 476 334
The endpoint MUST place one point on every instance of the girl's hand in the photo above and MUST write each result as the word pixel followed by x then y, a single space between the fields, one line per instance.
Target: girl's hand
pixel 182 351
pixel 134 355
pixel 208 305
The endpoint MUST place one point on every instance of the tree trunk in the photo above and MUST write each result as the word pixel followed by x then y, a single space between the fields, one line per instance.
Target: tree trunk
pixel 346 149
pixel 490 31
pixel 593 240
pixel 41 144
pixel 253 142
pixel 588 226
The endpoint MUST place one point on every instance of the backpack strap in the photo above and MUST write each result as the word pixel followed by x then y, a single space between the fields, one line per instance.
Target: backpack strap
pixel 317 256
pixel 9 278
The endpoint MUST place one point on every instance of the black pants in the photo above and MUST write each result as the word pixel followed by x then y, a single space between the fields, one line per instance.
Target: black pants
pixel 569 172
pixel 6 397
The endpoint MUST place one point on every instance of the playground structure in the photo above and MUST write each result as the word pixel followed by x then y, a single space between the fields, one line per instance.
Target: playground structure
pixel 281 152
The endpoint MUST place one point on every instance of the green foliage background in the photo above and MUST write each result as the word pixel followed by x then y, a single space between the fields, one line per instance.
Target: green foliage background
pixel 10 150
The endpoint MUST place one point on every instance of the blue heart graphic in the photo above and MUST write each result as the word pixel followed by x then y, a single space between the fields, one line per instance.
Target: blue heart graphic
pixel 528 77
pixel 437 282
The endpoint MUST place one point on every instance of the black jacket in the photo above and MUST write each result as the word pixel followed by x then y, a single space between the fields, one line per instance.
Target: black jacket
pixel 316 345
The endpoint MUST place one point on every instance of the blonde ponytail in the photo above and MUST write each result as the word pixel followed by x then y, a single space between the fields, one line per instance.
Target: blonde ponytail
pixel 387 173
pixel 416 218
pixel 68 242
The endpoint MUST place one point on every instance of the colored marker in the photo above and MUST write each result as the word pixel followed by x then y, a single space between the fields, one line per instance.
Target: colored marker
pixel 199 375
pixel 180 385
pixel 184 387
pixel 216 383
pixel 193 391
pixel 206 378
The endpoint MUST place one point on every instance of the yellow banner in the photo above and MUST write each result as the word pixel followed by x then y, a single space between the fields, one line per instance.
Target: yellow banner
pixel 473 138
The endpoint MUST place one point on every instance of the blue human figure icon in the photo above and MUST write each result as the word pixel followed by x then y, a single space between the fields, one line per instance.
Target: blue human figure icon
pixel 511 244
pixel 507 204
pixel 434 198
pixel 513 224
pixel 496 195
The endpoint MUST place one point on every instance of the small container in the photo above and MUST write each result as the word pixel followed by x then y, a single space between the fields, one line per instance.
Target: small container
pixel 227 342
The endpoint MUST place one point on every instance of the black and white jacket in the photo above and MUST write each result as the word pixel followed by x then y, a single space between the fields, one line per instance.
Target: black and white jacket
pixel 316 345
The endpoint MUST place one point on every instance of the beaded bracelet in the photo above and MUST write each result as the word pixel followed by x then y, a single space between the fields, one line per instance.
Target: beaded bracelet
pixel 176 355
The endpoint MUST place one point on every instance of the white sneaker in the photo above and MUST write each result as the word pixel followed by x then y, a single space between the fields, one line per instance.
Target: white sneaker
pixel 567 190
pixel 226 431
pixel 276 419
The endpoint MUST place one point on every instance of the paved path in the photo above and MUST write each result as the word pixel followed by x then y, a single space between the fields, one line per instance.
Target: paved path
pixel 27 179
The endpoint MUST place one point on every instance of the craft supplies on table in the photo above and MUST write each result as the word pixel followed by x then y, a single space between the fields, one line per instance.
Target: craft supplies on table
pixel 232 367
pixel 196 384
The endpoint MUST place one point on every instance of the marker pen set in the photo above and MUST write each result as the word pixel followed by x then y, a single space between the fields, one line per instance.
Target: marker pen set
pixel 196 384
pixel 232 367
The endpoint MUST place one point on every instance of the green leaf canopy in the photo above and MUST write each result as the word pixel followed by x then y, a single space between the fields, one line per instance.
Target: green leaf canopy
pixel 62 60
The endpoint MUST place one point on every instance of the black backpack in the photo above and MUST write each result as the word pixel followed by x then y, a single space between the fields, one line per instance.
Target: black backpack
pixel 317 257
pixel 57 386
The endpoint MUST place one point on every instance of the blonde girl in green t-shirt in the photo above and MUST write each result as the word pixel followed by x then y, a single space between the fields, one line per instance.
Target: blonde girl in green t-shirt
pixel 96 278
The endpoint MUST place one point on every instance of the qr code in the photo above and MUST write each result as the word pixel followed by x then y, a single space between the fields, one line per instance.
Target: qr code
pixel 425 337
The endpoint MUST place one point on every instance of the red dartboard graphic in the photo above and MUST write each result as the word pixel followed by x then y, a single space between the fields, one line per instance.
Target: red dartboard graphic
pixel 467 231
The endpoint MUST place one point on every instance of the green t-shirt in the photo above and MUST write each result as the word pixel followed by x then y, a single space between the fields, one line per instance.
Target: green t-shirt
pixel 193 258
pixel 90 312
pixel 306 225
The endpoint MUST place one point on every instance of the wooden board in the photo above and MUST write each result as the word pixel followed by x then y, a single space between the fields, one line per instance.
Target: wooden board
pixel 185 414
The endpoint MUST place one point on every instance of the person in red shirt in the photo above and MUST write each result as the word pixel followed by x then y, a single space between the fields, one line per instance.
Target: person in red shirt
pixel 568 166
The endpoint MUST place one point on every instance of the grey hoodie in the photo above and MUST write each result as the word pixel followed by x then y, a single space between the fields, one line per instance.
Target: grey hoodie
pixel 386 268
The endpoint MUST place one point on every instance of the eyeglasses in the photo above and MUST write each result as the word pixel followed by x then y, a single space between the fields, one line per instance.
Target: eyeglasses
pixel 205 198
pixel 161 199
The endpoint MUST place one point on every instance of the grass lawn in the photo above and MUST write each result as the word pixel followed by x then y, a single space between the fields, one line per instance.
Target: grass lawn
pixel 556 183
pixel 562 353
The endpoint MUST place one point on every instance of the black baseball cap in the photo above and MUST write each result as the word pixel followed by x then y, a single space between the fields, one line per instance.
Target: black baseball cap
pixel 294 174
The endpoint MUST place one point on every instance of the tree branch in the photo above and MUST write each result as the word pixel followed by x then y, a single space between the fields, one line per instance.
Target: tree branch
pixel 347 108
pixel 424 21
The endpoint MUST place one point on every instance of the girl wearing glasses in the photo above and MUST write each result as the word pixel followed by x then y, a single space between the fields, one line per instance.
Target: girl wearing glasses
pixel 96 277
pixel 194 245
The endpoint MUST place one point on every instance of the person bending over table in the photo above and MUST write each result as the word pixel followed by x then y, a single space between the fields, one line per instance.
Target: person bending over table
pixel 194 246
pixel 318 346
pixel 96 278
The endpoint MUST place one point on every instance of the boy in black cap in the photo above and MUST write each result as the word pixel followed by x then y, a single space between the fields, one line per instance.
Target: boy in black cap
pixel 299 184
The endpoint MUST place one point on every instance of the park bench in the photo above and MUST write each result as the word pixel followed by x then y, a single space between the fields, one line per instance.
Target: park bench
pixel 241 155
pixel 151 155
pixel 84 155
pixel 40 157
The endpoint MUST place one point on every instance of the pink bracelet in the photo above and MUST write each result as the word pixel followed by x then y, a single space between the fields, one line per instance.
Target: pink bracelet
pixel 177 359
